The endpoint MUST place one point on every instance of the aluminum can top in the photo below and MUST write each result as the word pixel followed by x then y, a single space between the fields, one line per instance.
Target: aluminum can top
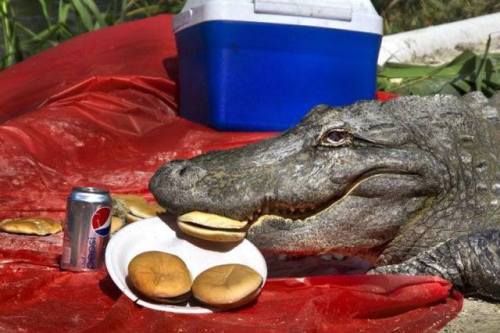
pixel 89 194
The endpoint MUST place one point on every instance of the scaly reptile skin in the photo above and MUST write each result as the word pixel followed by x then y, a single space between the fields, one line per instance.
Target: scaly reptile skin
pixel 412 184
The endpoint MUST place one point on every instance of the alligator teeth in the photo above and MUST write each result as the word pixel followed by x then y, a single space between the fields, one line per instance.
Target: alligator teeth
pixel 268 208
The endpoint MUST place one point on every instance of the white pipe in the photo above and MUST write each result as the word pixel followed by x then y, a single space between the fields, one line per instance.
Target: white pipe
pixel 410 45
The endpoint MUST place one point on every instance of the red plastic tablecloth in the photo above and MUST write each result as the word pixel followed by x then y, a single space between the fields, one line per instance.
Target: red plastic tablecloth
pixel 101 110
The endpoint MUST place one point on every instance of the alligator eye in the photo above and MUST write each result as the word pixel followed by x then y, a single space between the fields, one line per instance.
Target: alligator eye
pixel 336 138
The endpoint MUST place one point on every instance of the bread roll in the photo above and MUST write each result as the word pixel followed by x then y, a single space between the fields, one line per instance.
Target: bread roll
pixel 227 286
pixel 212 235
pixel 40 226
pixel 116 224
pixel 135 207
pixel 160 277
pixel 212 220
pixel 212 227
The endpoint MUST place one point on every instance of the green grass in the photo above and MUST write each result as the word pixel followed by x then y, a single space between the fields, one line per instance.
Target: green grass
pixel 403 15
pixel 68 18
pixel 9 37
pixel 467 72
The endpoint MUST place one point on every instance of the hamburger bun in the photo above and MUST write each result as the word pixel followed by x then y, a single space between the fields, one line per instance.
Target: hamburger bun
pixel 135 207
pixel 212 220
pixel 116 224
pixel 132 218
pixel 160 276
pixel 212 227
pixel 146 210
pixel 212 235
pixel 40 226
pixel 227 286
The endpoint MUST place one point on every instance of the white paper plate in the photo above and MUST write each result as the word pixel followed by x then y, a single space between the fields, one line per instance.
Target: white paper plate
pixel 156 235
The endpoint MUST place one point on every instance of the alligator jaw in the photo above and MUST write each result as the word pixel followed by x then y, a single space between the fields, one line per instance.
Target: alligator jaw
pixel 219 228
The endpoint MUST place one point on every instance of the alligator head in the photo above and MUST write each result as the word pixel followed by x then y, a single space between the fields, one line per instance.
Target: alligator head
pixel 343 180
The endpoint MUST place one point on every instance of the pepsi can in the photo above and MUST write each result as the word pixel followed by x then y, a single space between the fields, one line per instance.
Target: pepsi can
pixel 88 224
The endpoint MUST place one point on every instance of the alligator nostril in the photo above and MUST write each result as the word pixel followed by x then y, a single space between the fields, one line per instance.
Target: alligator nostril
pixel 193 173
pixel 183 171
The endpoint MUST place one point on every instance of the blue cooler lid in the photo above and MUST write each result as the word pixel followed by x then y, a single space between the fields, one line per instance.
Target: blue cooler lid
pixel 353 15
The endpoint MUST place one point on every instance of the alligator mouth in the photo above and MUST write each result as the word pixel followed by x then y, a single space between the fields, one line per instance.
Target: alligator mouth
pixel 215 227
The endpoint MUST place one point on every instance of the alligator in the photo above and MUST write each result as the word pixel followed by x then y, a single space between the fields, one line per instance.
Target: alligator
pixel 411 184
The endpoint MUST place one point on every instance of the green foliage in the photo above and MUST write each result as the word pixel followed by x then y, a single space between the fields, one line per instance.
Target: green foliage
pixel 467 72
pixel 65 19
pixel 10 41
pixel 403 15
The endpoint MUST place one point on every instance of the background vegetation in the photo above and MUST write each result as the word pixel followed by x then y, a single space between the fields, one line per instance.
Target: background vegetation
pixel 467 72
pixel 403 15
pixel 30 26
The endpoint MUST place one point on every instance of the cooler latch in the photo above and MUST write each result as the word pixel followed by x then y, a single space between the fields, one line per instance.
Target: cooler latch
pixel 326 9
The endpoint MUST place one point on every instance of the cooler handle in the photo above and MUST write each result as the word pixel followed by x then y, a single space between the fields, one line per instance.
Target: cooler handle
pixel 326 9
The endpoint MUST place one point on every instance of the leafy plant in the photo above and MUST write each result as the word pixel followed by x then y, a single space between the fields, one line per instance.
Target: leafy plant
pixel 66 19
pixel 10 40
pixel 403 15
pixel 467 72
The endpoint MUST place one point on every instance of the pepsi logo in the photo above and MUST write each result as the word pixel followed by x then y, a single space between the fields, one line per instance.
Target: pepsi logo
pixel 101 221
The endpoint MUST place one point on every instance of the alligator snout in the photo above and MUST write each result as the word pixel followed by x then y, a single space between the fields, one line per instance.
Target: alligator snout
pixel 186 186
pixel 181 173
pixel 173 184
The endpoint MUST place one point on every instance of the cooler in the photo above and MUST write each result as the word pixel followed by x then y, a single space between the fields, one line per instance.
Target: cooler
pixel 262 64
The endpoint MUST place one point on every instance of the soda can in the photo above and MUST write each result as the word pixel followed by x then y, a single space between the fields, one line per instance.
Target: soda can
pixel 88 225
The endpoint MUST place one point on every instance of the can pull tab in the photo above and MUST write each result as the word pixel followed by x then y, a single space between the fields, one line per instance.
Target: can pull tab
pixel 326 9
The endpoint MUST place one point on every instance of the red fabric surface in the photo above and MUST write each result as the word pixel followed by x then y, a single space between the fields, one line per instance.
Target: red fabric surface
pixel 101 110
